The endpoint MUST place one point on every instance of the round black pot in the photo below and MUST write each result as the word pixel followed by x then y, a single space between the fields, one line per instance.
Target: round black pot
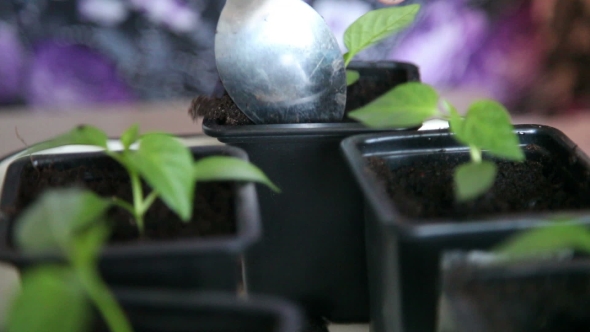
pixel 212 263
pixel 403 252
pixel 313 248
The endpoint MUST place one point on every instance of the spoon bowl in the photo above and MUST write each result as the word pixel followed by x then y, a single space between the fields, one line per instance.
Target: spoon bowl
pixel 279 62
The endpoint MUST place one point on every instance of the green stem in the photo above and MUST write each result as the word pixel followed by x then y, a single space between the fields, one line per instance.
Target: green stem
pixel 123 204
pixel 137 199
pixel 102 297
pixel 347 58
pixel 137 209
pixel 475 154
pixel 149 200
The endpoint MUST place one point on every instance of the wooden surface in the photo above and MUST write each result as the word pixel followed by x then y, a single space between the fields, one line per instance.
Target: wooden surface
pixel 39 125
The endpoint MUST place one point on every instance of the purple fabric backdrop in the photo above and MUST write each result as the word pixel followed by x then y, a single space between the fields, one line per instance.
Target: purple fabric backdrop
pixel 72 52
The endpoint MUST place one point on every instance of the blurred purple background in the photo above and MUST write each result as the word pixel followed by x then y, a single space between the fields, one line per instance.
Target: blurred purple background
pixel 59 54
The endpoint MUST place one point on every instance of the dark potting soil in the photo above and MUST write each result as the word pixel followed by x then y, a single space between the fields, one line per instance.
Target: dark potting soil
pixel 225 112
pixel 222 109
pixel 543 303
pixel 213 212
pixel 424 189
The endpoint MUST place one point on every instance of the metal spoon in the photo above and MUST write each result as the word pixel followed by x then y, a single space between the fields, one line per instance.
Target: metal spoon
pixel 279 61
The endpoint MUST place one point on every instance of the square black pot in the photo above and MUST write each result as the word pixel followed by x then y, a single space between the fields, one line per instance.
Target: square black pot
pixel 313 248
pixel 550 294
pixel 403 252
pixel 164 311
pixel 212 263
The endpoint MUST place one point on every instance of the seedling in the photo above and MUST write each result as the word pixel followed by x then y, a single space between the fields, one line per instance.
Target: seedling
pixel 164 163
pixel 486 126
pixel 71 221
pixel 59 297
pixel 373 27
pixel 562 234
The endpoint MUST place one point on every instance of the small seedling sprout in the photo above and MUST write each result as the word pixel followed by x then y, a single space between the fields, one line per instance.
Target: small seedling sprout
pixel 165 163
pixel 71 222
pixel 486 126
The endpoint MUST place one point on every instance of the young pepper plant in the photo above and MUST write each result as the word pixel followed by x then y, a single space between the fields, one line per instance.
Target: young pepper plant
pixel 58 297
pixel 561 234
pixel 164 163
pixel 486 126
pixel 373 27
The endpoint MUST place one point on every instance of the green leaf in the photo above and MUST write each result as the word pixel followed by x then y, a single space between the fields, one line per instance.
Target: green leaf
pixel 455 119
pixel 352 76
pixel 167 166
pixel 218 168
pixel 51 299
pixel 88 242
pixel 81 135
pixel 544 240
pixel 487 126
pixel 473 179
pixel 52 221
pixel 130 136
pixel 156 133
pixel 406 105
pixel 376 25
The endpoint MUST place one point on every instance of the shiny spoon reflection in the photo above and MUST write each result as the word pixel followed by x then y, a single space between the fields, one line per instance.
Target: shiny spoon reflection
pixel 279 61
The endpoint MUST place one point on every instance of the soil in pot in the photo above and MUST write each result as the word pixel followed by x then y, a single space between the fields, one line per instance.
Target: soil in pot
pixel 422 186
pixel 213 212
pixel 225 112
pixel 540 302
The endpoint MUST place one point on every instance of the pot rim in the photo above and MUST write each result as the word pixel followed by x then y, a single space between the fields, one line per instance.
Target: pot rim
pixel 288 314
pixel 380 203
pixel 330 129
pixel 247 216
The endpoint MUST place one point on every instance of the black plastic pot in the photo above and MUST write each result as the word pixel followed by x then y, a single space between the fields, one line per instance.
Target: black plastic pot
pixel 212 263
pixel 403 252
pixel 312 251
pixel 157 311
pixel 550 295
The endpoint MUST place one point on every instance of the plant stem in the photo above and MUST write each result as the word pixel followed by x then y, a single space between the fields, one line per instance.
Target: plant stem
pixel 149 200
pixel 124 205
pixel 103 299
pixel 475 154
pixel 137 209
pixel 137 200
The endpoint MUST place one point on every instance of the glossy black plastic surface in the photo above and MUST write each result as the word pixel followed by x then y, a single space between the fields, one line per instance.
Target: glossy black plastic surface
pixel 212 263
pixel 549 295
pixel 313 248
pixel 403 253
pixel 165 311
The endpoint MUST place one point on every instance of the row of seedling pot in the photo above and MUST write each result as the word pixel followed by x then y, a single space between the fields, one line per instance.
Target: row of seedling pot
pixel 478 227
pixel 346 222
pixel 379 208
